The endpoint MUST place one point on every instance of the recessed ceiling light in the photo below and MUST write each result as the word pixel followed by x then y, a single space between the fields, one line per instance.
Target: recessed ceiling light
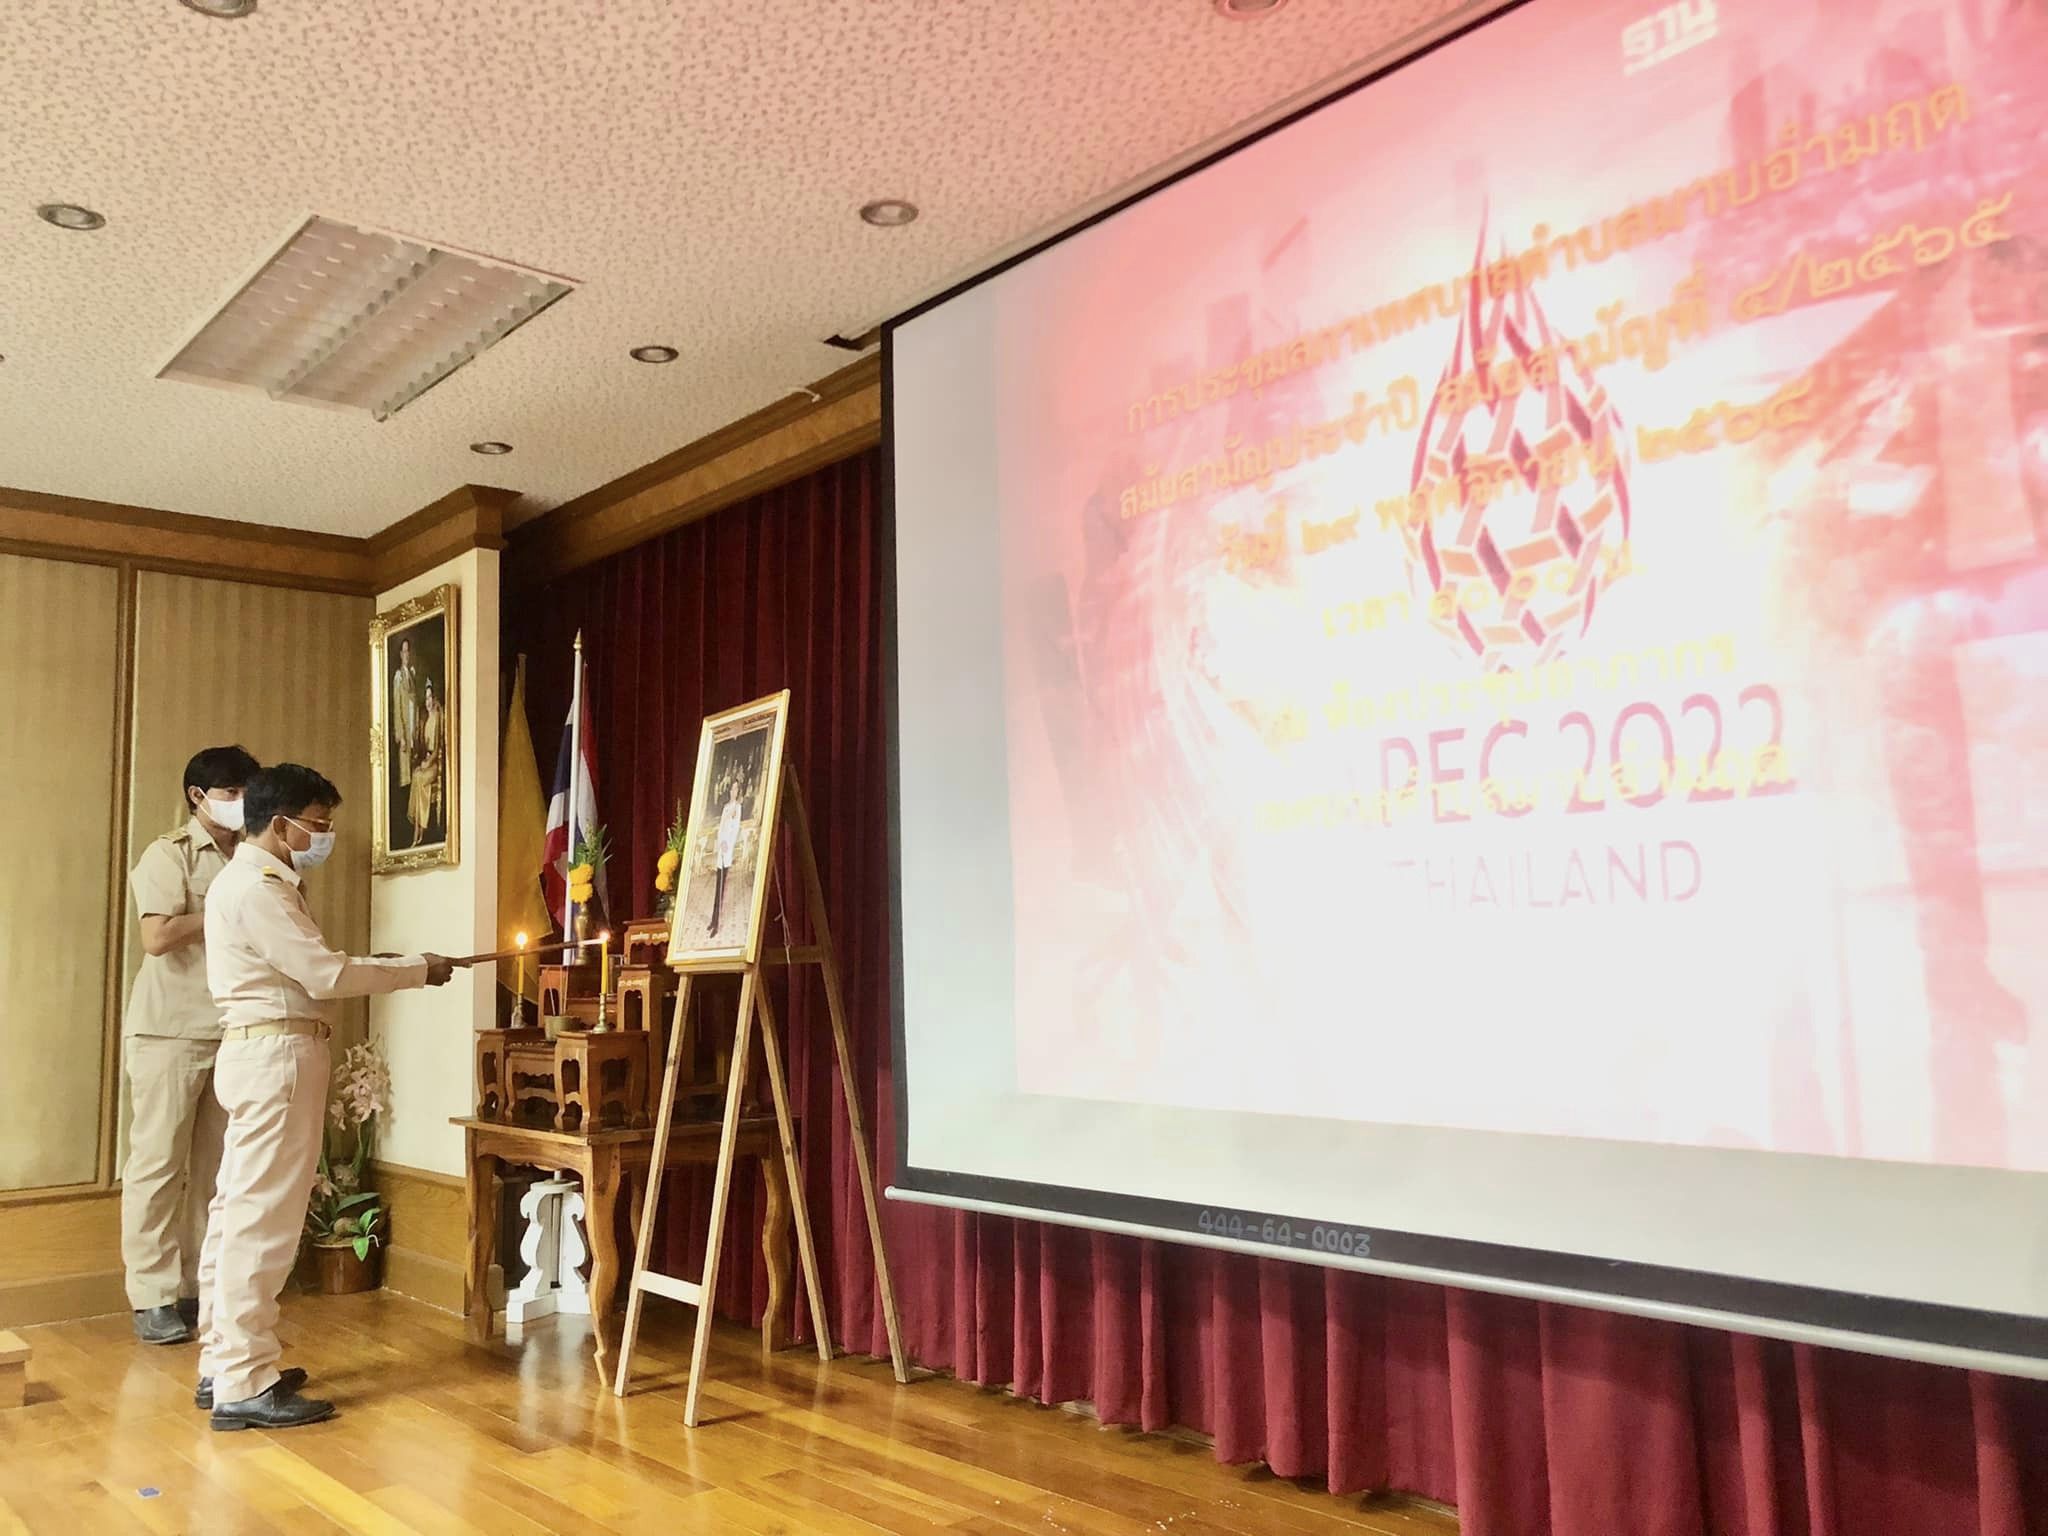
pixel 1236 10
pixel 70 216
pixel 889 212
pixel 490 449
pixel 225 10
pixel 654 354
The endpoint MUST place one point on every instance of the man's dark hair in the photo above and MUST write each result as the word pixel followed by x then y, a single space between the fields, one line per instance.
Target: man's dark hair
pixel 218 768
pixel 283 789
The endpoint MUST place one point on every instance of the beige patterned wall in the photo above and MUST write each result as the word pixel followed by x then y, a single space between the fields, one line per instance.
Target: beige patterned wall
pixel 59 681
pixel 283 673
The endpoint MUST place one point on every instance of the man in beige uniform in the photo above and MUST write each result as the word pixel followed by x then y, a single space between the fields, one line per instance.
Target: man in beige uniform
pixel 275 979
pixel 171 1033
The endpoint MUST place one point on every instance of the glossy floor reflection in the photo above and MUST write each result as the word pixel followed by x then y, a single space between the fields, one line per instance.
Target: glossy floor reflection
pixel 438 1436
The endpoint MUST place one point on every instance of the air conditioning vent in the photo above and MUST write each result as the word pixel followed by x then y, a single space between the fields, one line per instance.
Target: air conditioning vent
pixel 357 320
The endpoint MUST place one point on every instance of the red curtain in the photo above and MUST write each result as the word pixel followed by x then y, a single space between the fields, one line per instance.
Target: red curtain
pixel 1533 1419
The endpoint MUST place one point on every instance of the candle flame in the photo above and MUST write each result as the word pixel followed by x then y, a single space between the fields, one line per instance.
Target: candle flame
pixel 519 939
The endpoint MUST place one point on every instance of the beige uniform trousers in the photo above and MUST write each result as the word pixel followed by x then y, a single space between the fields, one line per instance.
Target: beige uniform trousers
pixel 174 1140
pixel 274 1089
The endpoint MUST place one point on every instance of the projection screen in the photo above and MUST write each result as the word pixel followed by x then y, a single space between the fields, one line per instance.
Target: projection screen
pixel 1470 683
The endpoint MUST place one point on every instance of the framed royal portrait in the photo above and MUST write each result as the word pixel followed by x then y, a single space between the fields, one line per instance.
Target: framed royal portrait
pixel 413 710
pixel 731 838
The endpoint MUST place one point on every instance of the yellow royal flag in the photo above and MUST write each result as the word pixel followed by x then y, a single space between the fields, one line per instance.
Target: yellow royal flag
pixel 522 820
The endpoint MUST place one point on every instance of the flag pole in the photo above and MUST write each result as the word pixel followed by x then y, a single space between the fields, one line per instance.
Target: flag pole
pixel 575 767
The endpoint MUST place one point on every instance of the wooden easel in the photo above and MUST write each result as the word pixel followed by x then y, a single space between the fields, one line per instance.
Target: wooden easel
pixel 754 997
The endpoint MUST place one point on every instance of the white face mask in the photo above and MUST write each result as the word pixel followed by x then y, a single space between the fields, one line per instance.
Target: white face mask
pixel 323 845
pixel 225 814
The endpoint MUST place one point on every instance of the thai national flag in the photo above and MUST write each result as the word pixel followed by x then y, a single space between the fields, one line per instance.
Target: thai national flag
pixel 572 810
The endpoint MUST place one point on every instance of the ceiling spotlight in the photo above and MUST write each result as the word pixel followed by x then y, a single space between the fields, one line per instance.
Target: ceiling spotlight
pixel 654 354
pixel 224 10
pixel 1236 10
pixel 889 212
pixel 70 216
pixel 491 450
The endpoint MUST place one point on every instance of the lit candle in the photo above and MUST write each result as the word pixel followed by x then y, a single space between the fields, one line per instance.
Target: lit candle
pixel 604 963
pixel 519 993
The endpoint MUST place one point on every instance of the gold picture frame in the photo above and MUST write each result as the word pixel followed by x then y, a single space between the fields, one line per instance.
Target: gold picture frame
pixel 414 708
pixel 730 840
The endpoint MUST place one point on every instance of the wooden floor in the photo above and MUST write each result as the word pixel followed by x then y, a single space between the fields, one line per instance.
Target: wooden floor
pixel 438 1436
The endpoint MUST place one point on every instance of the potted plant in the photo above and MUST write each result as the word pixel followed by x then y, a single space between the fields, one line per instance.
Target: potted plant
pixel 344 1220
pixel 667 869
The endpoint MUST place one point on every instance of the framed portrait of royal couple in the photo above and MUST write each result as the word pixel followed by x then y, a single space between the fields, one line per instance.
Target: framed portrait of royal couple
pixel 412 734
pixel 730 845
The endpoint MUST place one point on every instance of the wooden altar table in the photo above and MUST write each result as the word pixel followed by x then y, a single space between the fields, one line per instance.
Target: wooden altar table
pixel 607 1162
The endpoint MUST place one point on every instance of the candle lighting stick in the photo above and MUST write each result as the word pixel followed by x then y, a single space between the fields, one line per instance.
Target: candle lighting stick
pixel 552 947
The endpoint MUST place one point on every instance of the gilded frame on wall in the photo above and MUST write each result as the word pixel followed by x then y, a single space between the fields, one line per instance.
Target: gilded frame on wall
pixel 415 796
pixel 730 844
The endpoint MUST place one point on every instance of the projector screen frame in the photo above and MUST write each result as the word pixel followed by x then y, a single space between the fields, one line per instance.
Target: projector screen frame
pixel 1958 1337
pixel 1925 1332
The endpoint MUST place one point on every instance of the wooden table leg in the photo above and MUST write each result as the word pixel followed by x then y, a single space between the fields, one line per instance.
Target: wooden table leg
pixel 482 1172
pixel 631 1186
pixel 775 1250
pixel 601 1181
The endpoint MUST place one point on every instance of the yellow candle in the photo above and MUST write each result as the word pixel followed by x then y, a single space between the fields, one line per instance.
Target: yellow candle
pixel 520 992
pixel 604 963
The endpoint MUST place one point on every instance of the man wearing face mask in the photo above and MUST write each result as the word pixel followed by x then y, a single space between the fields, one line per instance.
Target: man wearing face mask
pixel 172 1031
pixel 276 981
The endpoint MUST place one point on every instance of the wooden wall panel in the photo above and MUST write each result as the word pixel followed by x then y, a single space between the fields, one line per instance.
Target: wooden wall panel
pixel 59 684
pixel 62 1259
pixel 65 527
pixel 106 533
pixel 429 1243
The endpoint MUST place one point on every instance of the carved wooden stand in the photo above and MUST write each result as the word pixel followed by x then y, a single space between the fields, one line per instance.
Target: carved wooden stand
pixel 607 1165
pixel 754 999
pixel 586 1079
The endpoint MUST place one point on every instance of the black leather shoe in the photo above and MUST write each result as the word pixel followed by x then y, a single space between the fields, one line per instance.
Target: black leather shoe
pixel 188 1309
pixel 279 1408
pixel 161 1325
pixel 291 1378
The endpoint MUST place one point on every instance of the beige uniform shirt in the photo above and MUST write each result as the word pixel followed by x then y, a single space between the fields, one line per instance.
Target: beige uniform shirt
pixel 171 998
pixel 265 958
